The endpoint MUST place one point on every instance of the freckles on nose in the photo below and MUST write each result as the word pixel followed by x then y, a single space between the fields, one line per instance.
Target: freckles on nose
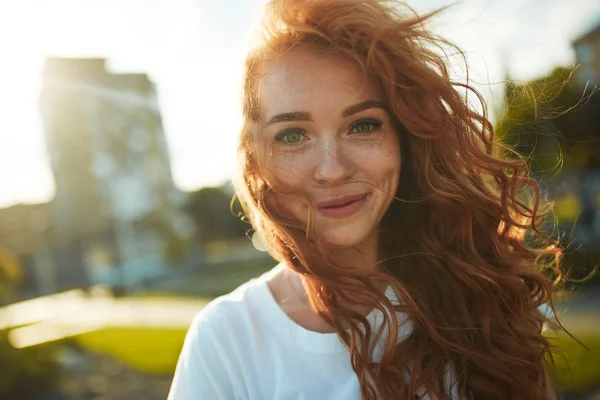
pixel 333 163
pixel 329 154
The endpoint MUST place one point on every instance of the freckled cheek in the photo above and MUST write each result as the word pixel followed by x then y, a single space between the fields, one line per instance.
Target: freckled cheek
pixel 394 163
pixel 383 157
pixel 290 171
pixel 290 178
pixel 385 164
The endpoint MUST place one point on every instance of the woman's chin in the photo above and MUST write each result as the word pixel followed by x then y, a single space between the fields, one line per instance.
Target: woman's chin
pixel 341 239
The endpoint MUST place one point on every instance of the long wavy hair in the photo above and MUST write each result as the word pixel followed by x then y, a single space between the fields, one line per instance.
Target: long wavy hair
pixel 462 243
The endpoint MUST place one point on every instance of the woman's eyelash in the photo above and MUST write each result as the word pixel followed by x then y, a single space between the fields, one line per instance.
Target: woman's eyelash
pixel 281 136
pixel 367 121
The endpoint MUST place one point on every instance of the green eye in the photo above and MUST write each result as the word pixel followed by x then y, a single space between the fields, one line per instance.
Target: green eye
pixel 365 127
pixel 290 137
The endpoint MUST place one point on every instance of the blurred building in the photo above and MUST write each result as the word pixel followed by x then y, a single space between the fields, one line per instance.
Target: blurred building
pixel 587 52
pixel 116 215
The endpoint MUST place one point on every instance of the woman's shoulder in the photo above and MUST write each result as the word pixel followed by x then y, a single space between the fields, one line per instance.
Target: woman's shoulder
pixel 212 361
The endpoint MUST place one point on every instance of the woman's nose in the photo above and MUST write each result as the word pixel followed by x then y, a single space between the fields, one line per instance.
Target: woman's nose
pixel 333 164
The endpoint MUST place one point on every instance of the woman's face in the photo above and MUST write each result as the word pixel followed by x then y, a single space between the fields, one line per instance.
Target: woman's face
pixel 333 146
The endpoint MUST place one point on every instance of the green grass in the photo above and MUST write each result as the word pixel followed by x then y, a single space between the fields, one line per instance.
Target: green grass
pixel 579 370
pixel 150 350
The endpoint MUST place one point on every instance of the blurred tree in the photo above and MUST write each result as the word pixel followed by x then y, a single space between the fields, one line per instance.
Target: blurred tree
pixel 11 273
pixel 552 123
pixel 210 209
pixel 176 247
pixel 556 127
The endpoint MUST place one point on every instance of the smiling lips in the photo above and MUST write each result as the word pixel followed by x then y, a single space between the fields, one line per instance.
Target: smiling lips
pixel 342 207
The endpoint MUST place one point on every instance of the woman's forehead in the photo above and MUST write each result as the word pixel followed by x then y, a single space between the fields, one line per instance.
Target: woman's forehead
pixel 305 81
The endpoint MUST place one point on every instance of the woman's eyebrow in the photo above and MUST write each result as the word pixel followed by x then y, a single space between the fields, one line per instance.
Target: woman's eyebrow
pixel 306 116
pixel 362 106
pixel 289 116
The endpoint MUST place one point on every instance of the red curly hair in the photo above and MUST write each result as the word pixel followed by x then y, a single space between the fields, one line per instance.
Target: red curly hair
pixel 461 243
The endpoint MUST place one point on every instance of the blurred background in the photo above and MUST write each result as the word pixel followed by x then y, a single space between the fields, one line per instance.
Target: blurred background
pixel 118 128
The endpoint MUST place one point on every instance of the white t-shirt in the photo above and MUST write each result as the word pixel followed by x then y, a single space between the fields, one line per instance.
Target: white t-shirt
pixel 244 346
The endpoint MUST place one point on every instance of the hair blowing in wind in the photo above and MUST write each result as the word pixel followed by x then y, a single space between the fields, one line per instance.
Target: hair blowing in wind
pixel 461 242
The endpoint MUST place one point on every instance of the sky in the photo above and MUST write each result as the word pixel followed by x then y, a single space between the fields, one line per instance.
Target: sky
pixel 194 49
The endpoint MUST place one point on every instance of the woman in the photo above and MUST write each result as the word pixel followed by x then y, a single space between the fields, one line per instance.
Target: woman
pixel 400 231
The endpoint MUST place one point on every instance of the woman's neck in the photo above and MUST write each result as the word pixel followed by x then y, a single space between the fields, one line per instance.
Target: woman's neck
pixel 364 257
pixel 290 287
